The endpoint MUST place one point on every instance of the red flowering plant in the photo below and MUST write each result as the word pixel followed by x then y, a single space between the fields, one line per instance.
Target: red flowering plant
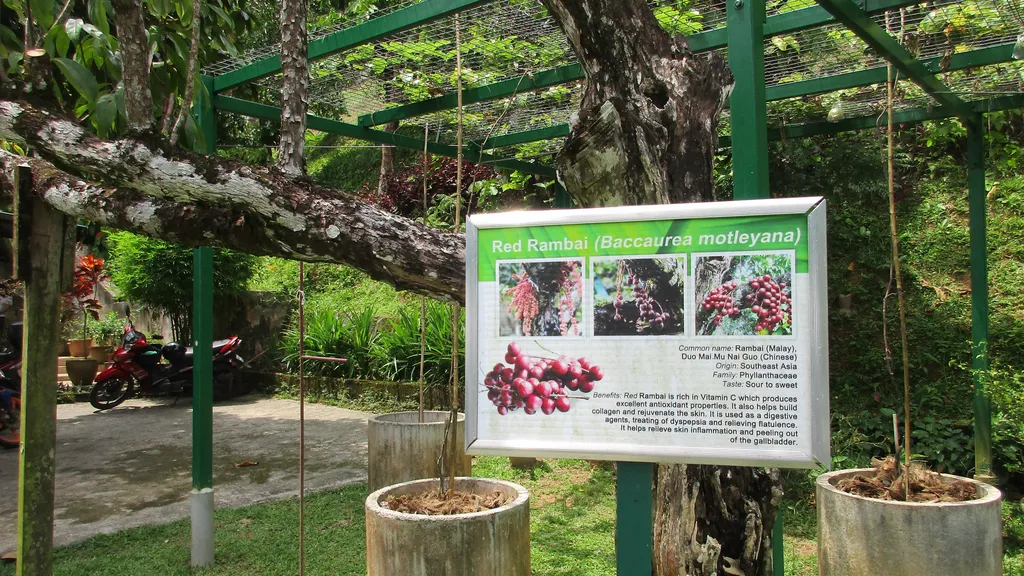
pixel 81 299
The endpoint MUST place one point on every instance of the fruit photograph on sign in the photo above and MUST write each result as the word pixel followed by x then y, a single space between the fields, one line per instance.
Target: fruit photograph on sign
pixel 639 296
pixel 539 384
pixel 744 295
pixel 543 298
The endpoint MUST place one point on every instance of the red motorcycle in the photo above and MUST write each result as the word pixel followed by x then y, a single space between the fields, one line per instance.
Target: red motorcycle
pixel 154 369
pixel 10 387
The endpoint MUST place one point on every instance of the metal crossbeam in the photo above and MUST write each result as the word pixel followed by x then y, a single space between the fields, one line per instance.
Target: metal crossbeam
pixel 860 23
pixel 911 116
pixel 520 85
pixel 774 25
pixel 879 74
pixel 397 21
pixel 266 112
pixel 876 75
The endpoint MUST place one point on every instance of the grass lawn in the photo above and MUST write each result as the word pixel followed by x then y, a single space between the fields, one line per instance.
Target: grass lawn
pixel 572 524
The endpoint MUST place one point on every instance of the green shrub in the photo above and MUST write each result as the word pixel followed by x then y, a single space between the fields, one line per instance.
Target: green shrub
pixel 398 351
pixel 108 330
pixel 334 334
pixel 379 348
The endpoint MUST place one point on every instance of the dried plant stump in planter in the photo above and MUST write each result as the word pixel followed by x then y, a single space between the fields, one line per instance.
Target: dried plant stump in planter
pixel 400 448
pixel 858 535
pixel 491 542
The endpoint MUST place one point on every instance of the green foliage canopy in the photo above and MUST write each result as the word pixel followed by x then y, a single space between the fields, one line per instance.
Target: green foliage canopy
pixel 158 274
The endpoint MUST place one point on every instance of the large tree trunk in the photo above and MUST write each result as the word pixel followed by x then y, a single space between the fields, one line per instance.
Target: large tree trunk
pixel 646 133
pixel 198 200
pixel 294 88
pixel 647 128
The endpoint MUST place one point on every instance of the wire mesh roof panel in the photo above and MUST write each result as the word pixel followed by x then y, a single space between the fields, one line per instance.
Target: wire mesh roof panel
pixel 513 39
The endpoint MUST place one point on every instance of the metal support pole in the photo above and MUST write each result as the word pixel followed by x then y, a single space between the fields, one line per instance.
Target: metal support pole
pixel 38 393
pixel 202 375
pixel 634 534
pixel 562 199
pixel 745 30
pixel 979 299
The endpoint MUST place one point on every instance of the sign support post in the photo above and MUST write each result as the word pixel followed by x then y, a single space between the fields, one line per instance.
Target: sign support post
pixel 634 536
pixel 745 30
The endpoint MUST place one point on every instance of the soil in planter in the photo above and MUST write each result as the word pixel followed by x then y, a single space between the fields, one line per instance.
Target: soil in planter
pixel 435 504
pixel 887 483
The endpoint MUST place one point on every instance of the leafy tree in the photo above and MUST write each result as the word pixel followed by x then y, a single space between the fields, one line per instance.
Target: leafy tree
pixel 158 274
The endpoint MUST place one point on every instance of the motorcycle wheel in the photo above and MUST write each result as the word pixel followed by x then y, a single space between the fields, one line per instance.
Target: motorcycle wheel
pixel 10 428
pixel 110 393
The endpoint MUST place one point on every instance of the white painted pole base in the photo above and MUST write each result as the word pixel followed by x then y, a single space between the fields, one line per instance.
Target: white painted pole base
pixel 202 527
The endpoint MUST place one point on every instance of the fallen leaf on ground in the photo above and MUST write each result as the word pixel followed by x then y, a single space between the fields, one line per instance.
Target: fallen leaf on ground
pixel 246 464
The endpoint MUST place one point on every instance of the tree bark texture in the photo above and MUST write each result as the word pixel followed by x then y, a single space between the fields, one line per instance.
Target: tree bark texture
pixel 294 88
pixel 387 162
pixel 715 520
pixel 646 133
pixel 647 129
pixel 190 76
pixel 194 200
pixel 131 34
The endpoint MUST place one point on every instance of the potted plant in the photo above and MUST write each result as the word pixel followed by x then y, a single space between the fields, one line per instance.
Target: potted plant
pixel 105 335
pixel 893 520
pixel 81 300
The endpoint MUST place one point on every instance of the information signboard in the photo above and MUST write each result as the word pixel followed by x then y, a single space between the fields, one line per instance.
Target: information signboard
pixel 689 333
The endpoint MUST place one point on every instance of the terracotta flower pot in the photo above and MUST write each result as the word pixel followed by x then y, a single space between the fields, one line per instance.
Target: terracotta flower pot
pixel 81 371
pixel 79 348
pixel 101 354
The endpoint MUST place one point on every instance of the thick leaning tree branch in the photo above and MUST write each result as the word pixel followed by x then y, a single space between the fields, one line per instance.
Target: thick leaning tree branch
pixel 193 199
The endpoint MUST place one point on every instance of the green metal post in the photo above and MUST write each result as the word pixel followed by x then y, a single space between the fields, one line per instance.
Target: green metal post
pixel 562 199
pixel 634 533
pixel 745 28
pixel 202 375
pixel 202 394
pixel 979 298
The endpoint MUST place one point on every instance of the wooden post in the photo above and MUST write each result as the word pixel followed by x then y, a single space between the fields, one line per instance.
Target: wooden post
pixel 46 235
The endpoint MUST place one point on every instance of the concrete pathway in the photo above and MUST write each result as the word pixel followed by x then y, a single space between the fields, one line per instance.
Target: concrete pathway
pixel 132 465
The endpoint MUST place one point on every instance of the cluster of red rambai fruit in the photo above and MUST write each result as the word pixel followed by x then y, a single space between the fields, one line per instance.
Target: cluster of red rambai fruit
pixel 765 299
pixel 721 301
pixel 538 384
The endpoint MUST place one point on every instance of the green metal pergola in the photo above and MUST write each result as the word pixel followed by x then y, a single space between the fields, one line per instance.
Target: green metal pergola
pixel 778 53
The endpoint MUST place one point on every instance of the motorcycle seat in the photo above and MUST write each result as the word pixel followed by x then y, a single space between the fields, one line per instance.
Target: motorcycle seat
pixel 217 345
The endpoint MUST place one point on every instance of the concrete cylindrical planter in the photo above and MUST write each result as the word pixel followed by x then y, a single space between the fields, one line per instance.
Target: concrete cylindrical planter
pixel 858 535
pixel 401 449
pixel 490 543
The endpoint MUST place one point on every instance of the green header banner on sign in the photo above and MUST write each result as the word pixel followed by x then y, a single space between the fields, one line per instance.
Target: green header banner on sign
pixel 737 234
